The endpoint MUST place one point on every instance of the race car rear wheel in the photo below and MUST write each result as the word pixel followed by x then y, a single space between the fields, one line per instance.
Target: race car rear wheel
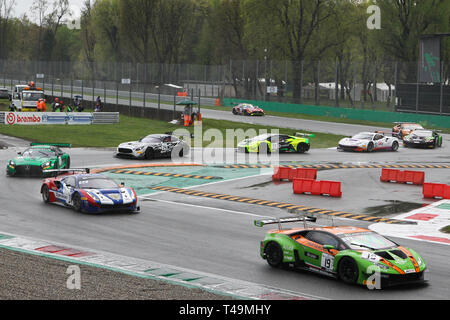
pixel 394 146
pixel 234 112
pixel 274 254
pixel 45 193
pixel 348 270
pixel 68 163
pixel 76 202
pixel 302 147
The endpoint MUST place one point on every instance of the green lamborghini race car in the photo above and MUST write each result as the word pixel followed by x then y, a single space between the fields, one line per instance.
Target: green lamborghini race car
pixel 267 143
pixel 423 138
pixel 38 158
pixel 353 255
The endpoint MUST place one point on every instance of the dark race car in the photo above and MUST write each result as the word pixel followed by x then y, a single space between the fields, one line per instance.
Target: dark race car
pixel 153 146
pixel 84 192
pixel 402 129
pixel 247 109
pixel 423 138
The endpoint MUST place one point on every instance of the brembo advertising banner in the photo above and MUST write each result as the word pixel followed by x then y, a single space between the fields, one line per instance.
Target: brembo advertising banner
pixel 35 118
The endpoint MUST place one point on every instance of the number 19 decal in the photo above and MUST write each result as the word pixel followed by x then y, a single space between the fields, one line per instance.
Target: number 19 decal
pixel 327 262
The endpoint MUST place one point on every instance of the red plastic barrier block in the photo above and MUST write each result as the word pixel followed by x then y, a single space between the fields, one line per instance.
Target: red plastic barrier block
pixel 285 173
pixel 414 177
pixel 314 187
pixel 281 173
pixel 436 190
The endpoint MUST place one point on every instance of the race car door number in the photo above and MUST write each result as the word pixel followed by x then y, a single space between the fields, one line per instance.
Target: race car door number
pixel 327 262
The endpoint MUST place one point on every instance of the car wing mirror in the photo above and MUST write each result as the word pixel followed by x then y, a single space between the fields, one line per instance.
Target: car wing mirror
pixel 58 184
pixel 328 247
pixel 19 153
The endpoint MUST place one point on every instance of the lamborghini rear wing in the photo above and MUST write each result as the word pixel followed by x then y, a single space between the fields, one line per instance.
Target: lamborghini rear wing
pixel 279 221
pixel 62 145
pixel 304 135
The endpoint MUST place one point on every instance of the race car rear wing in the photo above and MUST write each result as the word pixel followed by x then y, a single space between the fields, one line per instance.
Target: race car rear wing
pixel 57 172
pixel 62 145
pixel 304 135
pixel 280 221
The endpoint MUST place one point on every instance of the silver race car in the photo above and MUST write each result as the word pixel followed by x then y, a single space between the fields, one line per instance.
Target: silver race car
pixel 369 141
pixel 153 146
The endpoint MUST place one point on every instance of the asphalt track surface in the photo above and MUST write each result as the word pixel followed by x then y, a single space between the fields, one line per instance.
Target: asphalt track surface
pixel 218 236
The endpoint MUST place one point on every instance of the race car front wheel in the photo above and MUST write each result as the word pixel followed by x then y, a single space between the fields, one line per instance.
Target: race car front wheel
pixel 394 146
pixel 348 270
pixel 274 254
pixel 149 153
pixel 76 202
pixel 45 193
pixel 370 147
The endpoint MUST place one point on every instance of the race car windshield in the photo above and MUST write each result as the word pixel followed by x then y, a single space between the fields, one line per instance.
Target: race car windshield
pixel 97 183
pixel 412 126
pixel 151 139
pixel 38 153
pixel 260 138
pixel 363 136
pixel 367 240
pixel 422 133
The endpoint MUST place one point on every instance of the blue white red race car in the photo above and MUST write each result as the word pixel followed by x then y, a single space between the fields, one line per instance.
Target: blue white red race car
pixel 84 192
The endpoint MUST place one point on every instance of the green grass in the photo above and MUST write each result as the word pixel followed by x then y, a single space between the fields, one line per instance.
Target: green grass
pixel 445 229
pixel 129 128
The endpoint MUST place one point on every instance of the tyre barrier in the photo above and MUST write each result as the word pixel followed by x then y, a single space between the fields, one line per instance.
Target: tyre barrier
pixel 436 190
pixel 399 176
pixel 314 187
pixel 285 173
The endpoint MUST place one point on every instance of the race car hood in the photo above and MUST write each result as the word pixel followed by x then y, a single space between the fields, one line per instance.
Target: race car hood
pixel 112 196
pixel 399 260
pixel 353 142
pixel 132 144
pixel 30 161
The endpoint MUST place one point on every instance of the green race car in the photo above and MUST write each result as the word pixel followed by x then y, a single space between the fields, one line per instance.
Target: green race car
pixel 354 255
pixel 267 143
pixel 38 158
pixel 423 138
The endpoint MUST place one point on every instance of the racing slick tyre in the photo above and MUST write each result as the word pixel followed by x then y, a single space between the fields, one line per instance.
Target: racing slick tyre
pixel 394 146
pixel 370 147
pixel 234 112
pixel 76 202
pixel 302 147
pixel 68 163
pixel 45 193
pixel 274 254
pixel 348 270
pixel 264 148
pixel 149 153
pixel 439 144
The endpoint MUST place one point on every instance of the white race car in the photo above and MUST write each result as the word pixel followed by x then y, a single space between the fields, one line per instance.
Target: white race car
pixel 153 146
pixel 369 141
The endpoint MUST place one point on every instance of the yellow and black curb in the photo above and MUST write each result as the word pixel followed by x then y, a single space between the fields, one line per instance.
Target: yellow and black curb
pixel 293 208
pixel 164 174
pixel 339 166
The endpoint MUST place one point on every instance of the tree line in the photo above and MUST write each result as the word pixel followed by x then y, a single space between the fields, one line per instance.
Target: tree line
pixel 215 32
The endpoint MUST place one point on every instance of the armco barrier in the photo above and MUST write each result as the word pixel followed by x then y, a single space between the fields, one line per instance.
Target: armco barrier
pixel 399 176
pixel 436 190
pixel 285 173
pixel 314 187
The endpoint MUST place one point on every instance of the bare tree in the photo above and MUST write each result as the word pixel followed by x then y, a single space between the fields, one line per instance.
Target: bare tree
pixel 40 8
pixel 6 8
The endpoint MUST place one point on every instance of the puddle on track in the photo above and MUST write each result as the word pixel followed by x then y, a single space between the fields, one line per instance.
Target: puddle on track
pixel 393 206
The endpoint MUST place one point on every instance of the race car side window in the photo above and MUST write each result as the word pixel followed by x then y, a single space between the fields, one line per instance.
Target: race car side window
pixel 322 238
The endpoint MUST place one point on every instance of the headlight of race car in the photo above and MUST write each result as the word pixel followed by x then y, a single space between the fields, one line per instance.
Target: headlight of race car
pixel 12 163
pixel 139 149
pixel 46 165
